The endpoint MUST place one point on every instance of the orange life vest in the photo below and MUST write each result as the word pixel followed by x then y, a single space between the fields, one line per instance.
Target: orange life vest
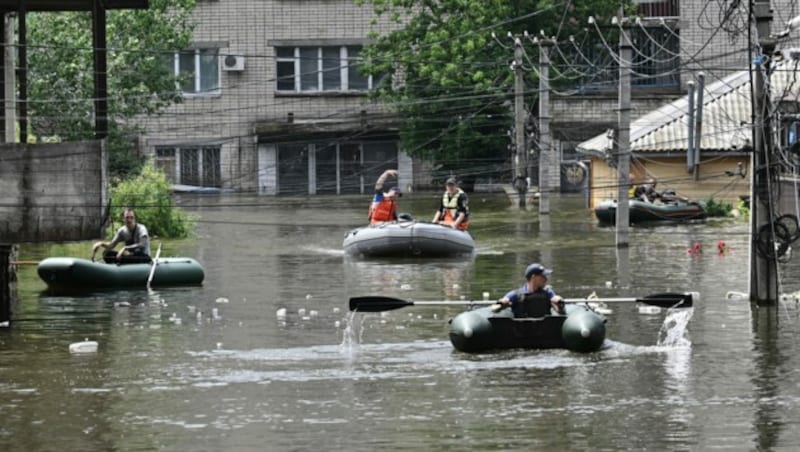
pixel 450 204
pixel 383 211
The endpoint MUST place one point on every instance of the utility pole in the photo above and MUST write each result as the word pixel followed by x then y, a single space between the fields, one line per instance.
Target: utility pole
pixel 763 259
pixel 544 127
pixel 624 133
pixel 698 129
pixel 520 152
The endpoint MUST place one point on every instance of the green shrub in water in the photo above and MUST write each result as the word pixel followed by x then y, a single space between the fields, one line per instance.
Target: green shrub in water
pixel 716 208
pixel 149 194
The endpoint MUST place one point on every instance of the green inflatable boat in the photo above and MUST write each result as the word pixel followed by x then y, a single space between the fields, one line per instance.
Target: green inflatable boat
pixel 70 274
pixel 581 330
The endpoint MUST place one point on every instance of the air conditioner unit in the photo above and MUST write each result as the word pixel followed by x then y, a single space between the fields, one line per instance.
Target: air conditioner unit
pixel 233 63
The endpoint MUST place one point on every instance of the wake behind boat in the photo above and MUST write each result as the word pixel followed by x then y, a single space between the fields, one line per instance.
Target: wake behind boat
pixel 408 239
pixel 71 274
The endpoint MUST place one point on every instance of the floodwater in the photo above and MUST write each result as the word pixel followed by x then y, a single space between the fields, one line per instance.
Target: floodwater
pixel 266 356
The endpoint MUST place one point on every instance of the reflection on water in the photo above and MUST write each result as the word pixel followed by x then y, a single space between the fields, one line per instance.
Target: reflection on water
pixel 282 364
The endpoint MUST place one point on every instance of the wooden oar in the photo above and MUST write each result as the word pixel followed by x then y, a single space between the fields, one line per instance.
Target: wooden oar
pixel 24 262
pixel 153 269
pixel 380 303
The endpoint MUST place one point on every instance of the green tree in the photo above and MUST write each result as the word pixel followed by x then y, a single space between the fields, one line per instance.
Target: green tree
pixel 453 87
pixel 60 73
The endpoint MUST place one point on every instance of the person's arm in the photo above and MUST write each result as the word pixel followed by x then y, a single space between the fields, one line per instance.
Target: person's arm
pixel 382 179
pixel 438 215
pixel 508 299
pixel 461 216
pixel 107 245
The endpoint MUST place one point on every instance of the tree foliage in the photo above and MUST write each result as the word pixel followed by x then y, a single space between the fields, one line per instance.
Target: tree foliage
pixel 60 72
pixel 452 82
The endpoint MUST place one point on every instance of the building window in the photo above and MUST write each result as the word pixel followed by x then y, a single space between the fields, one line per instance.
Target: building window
pixel 191 165
pixel 320 69
pixel 198 70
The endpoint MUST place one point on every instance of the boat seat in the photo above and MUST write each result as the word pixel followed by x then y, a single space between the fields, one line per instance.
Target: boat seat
pixel 534 305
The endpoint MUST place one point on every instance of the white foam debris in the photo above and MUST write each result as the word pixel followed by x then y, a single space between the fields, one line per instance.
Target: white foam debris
pixel 281 313
pixel 301 311
pixel 647 309
pixel 313 313
pixel 336 310
pixel 609 284
pixel 222 300
pixel 456 286
pixel 337 324
pixel 405 286
pixel 122 304
pixel 5 324
pixel 86 346
pixel 309 296
pixel 219 345
pixel 486 296
pixel 733 295
pixel 215 313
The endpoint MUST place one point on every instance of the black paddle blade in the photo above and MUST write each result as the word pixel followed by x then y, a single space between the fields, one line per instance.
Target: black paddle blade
pixel 377 303
pixel 668 300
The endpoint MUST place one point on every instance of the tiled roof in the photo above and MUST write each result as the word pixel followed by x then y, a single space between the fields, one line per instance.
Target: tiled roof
pixel 726 117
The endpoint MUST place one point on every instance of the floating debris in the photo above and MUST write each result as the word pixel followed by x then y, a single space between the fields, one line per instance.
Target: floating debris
pixel 222 300
pixel 86 346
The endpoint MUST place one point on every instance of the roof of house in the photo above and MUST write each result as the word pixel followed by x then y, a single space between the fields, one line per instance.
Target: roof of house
pixel 727 116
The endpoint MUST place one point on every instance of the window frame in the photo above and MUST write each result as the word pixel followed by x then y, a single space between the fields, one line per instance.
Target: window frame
pixel 345 61
pixel 198 73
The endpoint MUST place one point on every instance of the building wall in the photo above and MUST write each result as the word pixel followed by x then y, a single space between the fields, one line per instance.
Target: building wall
pixel 670 174
pixel 53 191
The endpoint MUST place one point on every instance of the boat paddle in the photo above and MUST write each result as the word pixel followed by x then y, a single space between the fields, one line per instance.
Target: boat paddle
pixel 380 303
pixel 153 268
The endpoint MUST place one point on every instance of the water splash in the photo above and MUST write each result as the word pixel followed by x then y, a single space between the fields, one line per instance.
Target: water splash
pixel 352 332
pixel 674 331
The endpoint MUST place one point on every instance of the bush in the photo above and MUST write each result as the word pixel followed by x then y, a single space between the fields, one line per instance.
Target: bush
pixel 149 194
pixel 716 208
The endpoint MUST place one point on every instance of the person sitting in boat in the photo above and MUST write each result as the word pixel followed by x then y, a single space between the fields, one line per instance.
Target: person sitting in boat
pixel 133 235
pixel 454 208
pixel 535 298
pixel 646 192
pixel 384 204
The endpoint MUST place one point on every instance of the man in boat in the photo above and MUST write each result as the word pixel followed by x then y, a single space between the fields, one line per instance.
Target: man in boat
pixel 384 204
pixel 647 191
pixel 454 208
pixel 133 235
pixel 535 290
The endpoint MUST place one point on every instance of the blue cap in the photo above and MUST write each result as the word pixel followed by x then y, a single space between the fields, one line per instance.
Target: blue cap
pixel 536 269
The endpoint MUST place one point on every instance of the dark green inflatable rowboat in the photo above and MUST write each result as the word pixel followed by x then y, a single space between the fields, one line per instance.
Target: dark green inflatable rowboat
pixel 580 330
pixel 70 274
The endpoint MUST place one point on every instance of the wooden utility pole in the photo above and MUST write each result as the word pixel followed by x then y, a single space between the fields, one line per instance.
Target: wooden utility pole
pixel 763 258
pixel 520 151
pixel 624 134
pixel 545 151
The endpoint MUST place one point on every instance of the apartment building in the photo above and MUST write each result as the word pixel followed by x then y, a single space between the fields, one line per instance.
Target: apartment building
pixel 274 103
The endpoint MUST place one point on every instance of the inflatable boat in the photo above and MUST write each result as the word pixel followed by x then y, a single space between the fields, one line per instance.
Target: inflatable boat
pixel 70 274
pixel 408 239
pixel 648 212
pixel 580 329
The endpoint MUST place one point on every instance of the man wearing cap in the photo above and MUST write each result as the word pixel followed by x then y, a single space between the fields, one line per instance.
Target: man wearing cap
pixel 535 287
pixel 454 208
pixel 384 206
